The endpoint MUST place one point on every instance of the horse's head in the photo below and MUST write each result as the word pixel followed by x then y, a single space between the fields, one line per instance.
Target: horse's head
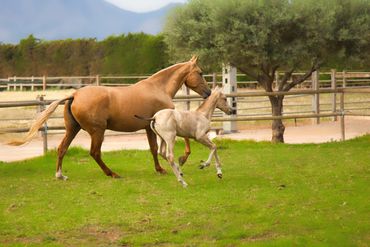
pixel 221 103
pixel 195 80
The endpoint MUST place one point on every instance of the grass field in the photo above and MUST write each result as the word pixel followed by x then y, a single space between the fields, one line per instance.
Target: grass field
pixel 271 195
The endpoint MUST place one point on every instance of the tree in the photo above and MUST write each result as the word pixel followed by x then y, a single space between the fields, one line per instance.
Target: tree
pixel 259 37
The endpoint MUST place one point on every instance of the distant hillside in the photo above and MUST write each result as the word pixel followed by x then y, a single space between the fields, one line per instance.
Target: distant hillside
pixel 61 19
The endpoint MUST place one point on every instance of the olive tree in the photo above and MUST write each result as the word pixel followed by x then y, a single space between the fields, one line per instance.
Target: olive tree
pixel 259 37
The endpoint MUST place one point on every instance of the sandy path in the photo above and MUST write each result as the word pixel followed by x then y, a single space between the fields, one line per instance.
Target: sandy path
pixel 325 132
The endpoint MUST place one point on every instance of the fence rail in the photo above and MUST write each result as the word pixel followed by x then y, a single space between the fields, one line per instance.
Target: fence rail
pixel 341 112
pixel 342 79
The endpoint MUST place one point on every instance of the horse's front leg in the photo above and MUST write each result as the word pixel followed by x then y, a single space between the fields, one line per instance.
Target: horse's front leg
pixel 183 158
pixel 152 139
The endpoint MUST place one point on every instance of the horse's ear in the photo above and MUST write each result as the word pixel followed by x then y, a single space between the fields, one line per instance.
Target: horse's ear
pixel 194 59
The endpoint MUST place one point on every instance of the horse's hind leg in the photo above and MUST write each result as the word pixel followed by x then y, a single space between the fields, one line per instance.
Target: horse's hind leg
pixel 162 148
pixel 152 139
pixel 97 138
pixel 184 158
pixel 62 149
pixel 72 128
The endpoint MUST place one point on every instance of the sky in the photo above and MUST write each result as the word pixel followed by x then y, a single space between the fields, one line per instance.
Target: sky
pixel 143 5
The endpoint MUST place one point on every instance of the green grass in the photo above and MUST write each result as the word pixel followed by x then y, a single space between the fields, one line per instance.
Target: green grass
pixel 271 195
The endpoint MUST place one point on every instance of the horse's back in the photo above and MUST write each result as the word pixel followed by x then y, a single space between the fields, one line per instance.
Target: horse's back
pixel 115 107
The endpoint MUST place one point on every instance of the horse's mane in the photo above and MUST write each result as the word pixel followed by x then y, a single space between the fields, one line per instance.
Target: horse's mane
pixel 167 70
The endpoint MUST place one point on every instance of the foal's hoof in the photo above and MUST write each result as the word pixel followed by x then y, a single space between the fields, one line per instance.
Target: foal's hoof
pixel 203 164
pixel 184 184
pixel 219 175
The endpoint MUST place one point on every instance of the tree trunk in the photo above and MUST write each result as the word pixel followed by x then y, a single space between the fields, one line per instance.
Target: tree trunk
pixel 278 127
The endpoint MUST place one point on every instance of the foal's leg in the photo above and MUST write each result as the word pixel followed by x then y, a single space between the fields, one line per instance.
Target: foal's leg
pixel 97 138
pixel 171 159
pixel 72 128
pixel 183 158
pixel 205 141
pixel 152 139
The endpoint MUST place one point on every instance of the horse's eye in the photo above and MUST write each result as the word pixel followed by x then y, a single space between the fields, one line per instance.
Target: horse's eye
pixel 201 73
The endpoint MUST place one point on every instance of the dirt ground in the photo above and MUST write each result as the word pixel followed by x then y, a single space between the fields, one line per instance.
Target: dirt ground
pixel 324 132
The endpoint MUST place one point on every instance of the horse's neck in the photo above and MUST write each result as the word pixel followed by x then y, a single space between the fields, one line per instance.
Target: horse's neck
pixel 207 107
pixel 171 79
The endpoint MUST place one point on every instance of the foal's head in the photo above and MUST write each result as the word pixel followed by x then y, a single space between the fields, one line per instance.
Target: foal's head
pixel 221 100
pixel 195 80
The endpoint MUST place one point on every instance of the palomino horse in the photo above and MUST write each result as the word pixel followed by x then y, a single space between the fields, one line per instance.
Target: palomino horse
pixel 97 108
pixel 169 123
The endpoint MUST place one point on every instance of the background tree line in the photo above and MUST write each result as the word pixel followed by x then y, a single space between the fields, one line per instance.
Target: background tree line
pixel 125 54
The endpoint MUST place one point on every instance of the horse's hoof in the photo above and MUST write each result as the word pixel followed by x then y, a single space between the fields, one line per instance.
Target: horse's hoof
pixel 201 166
pixel 184 184
pixel 161 171
pixel 61 177
pixel 219 175
pixel 115 175
pixel 182 160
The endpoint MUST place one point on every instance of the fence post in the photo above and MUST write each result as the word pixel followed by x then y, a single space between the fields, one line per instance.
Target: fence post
pixel 97 80
pixel 344 79
pixel 214 79
pixel 44 83
pixel 44 132
pixel 277 80
pixel 15 83
pixel 186 91
pixel 316 96
pixel 342 126
pixel 229 86
pixel 333 76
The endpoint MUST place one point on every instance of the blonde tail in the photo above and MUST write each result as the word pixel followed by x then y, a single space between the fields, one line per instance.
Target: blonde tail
pixel 40 120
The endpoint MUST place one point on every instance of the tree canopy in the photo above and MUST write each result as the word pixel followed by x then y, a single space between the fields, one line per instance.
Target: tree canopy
pixel 275 33
pixel 259 37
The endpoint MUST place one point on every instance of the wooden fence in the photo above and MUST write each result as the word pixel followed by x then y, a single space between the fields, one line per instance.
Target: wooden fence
pixel 328 79
pixel 341 112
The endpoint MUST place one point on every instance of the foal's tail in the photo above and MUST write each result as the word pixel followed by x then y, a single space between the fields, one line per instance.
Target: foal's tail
pixel 152 122
pixel 40 120
pixel 144 118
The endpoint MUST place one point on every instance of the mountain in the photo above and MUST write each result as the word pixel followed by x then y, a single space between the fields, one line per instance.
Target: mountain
pixel 61 19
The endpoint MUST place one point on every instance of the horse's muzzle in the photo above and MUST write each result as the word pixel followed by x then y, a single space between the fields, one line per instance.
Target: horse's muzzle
pixel 206 93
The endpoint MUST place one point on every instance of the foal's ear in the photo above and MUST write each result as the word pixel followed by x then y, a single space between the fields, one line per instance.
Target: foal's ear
pixel 220 89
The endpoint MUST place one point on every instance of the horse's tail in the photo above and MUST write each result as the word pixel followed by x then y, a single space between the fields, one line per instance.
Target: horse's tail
pixel 40 120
